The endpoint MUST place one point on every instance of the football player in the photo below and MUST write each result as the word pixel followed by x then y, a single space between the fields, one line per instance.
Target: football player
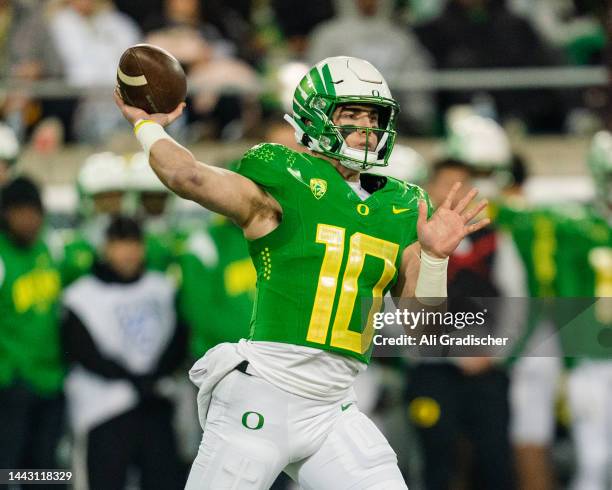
pixel 584 269
pixel 101 183
pixel 322 234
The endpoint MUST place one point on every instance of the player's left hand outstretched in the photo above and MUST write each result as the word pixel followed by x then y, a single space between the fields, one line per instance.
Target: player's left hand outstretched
pixel 441 235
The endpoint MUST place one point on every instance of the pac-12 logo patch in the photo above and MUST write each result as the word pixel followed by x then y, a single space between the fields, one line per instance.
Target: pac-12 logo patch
pixel 318 187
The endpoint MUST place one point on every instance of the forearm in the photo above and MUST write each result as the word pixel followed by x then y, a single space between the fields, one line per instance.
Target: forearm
pixel 174 164
pixel 207 185
pixel 177 168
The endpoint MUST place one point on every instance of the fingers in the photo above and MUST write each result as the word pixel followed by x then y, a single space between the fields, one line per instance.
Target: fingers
pixel 422 219
pixel 470 214
pixel 118 99
pixel 176 113
pixel 451 195
pixel 477 226
pixel 461 205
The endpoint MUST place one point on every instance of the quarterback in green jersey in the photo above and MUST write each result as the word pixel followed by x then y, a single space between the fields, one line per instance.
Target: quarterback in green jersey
pixel 322 235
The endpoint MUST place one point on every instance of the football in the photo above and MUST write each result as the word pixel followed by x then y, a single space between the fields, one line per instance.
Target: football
pixel 151 79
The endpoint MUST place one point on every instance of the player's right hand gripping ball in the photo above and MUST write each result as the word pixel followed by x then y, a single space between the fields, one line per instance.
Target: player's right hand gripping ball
pixel 151 79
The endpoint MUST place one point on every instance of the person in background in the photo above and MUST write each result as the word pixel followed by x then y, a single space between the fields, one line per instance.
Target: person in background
pixel 574 26
pixel 122 337
pixel 364 28
pixel 211 65
pixel 536 373
pixel 584 270
pixel 188 14
pixel 27 54
pixel 91 36
pixel 297 30
pixel 534 364
pixel 102 184
pixel 485 34
pixel 486 264
pixel 464 400
pixel 31 368
pixel 218 286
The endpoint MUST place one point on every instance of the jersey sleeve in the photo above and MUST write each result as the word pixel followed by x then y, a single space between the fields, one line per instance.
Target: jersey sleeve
pixel 263 165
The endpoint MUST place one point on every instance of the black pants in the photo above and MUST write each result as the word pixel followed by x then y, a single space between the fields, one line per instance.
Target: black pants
pixel 30 428
pixel 444 405
pixel 142 438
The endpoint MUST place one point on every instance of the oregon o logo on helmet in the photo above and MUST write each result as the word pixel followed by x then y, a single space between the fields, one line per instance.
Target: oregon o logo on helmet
pixel 253 420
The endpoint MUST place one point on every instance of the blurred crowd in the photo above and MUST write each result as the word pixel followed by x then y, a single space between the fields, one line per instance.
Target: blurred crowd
pixel 102 316
pixel 240 55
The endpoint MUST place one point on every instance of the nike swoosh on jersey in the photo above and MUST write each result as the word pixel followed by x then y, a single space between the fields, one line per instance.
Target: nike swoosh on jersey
pixel 400 210
pixel 344 407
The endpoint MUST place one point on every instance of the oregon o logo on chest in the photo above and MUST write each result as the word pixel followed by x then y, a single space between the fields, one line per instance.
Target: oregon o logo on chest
pixel 253 420
pixel 363 209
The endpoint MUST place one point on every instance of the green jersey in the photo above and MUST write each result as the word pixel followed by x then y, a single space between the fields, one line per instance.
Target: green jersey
pixel 79 256
pixel 159 251
pixel 29 324
pixel 586 237
pixel 330 250
pixel 585 271
pixel 534 232
pixel 583 265
pixel 217 287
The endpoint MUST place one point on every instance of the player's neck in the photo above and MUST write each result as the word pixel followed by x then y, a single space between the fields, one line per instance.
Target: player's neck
pixel 346 173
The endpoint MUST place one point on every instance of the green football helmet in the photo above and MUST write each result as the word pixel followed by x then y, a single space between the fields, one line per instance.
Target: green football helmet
pixel 334 82
pixel 600 164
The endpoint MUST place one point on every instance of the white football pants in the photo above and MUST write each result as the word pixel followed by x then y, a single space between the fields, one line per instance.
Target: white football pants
pixel 254 431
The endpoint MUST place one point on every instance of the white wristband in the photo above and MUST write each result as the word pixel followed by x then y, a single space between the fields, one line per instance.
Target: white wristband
pixel 431 283
pixel 148 133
